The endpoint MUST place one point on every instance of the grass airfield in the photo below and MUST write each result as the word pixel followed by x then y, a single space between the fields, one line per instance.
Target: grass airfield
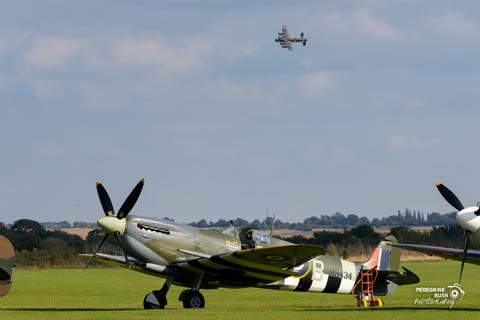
pixel 115 293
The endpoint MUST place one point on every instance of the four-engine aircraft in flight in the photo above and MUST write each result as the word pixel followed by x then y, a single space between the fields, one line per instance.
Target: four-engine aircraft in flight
pixel 468 219
pixel 7 263
pixel 235 258
pixel 286 41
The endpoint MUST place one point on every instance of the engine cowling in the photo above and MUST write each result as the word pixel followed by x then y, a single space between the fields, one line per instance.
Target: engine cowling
pixel 7 263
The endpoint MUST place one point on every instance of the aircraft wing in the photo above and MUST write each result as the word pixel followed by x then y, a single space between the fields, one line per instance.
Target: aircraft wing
pixel 447 253
pixel 288 44
pixel 285 34
pixel 263 265
pixel 133 264
pixel 239 268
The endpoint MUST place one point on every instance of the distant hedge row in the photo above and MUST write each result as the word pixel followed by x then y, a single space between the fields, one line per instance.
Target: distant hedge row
pixel 37 247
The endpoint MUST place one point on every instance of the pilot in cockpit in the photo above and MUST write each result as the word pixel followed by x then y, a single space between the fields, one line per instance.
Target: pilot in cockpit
pixel 249 243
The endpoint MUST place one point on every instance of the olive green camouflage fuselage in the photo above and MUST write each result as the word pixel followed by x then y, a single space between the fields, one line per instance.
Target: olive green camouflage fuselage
pixel 182 252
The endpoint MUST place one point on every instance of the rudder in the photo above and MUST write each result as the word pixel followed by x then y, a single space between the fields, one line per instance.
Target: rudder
pixel 384 257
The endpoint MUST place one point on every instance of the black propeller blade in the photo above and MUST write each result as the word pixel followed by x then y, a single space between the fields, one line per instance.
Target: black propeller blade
pixel 122 213
pixel 131 200
pixel 95 253
pixel 464 257
pixel 477 213
pixel 117 240
pixel 449 196
pixel 105 200
pixel 457 204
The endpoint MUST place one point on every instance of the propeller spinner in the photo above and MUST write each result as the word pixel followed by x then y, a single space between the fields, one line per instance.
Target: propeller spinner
pixel 115 225
pixel 464 216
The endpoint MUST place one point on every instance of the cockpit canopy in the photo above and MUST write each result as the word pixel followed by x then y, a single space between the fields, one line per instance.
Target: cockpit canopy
pixel 253 238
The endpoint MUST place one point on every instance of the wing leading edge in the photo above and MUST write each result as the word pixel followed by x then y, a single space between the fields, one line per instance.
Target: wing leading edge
pixel 133 264
pixel 447 253
pixel 253 266
pixel 289 46
pixel 262 264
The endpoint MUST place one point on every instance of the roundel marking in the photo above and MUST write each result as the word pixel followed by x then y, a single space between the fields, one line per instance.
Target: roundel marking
pixel 275 258
pixel 303 270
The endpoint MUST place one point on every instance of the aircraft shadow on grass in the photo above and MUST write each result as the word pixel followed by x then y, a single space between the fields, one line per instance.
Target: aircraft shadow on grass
pixel 320 309
pixel 69 309
pixel 386 309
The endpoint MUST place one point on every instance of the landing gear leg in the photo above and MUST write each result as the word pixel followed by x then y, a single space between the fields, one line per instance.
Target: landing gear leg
pixel 157 299
pixel 193 298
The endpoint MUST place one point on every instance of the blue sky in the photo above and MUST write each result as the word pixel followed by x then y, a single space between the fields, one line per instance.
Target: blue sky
pixel 197 98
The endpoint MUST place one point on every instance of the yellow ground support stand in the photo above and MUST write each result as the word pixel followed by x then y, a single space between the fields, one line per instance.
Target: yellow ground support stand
pixel 366 298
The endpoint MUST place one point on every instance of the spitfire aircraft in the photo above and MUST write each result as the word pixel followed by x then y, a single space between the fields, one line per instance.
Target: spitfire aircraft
pixel 235 258
pixel 468 219
pixel 7 263
pixel 286 41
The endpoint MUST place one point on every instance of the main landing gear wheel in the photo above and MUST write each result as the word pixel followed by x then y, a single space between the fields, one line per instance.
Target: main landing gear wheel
pixel 154 300
pixel 192 299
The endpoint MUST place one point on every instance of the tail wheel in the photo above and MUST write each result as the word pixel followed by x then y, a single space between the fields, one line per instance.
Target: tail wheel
pixel 151 302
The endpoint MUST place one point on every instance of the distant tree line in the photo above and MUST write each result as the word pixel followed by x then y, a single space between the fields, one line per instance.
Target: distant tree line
pixel 361 240
pixel 66 224
pixel 407 218
pixel 40 248
pixel 39 245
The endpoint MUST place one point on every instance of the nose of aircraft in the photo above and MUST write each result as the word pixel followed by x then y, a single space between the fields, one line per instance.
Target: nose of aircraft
pixel 112 225
pixel 468 219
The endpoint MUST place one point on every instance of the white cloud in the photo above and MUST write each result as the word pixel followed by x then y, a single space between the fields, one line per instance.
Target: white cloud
pixel 11 41
pixel 454 25
pixel 316 84
pixel 44 88
pixel 194 52
pixel 360 23
pixel 223 89
pixel 375 27
pixel 101 97
pixel 398 142
pixel 51 51
pixel 158 51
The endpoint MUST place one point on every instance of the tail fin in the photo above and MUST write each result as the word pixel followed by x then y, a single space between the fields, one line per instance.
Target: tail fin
pixel 384 257
pixel 7 262
pixel 385 260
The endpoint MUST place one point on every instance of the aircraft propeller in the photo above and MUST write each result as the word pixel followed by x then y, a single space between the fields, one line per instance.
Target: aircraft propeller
pixel 453 200
pixel 115 225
